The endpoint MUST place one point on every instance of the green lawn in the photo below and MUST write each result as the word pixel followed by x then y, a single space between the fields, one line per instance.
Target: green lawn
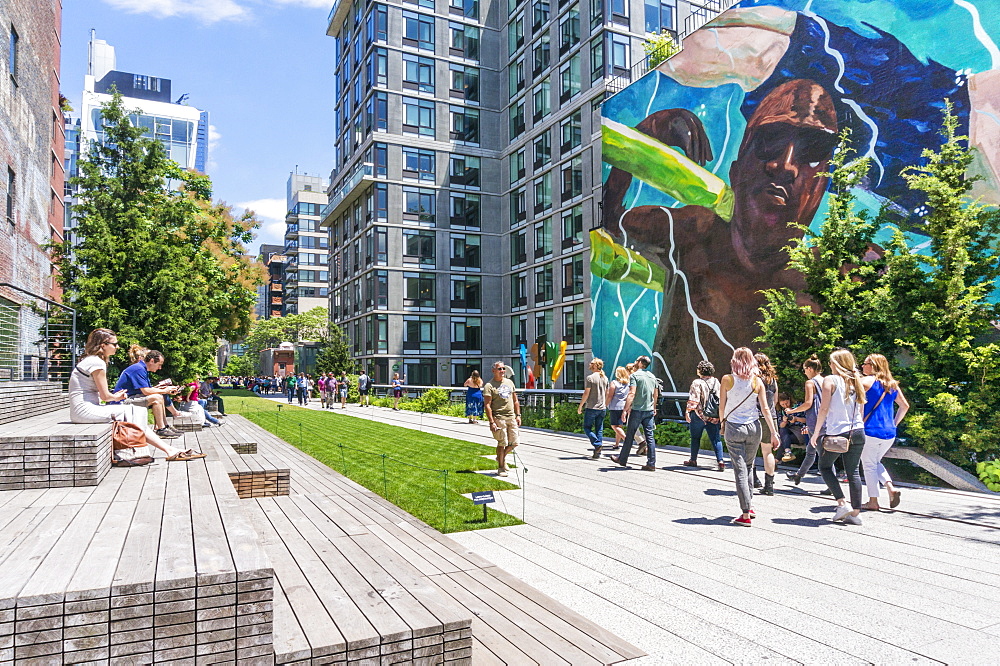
pixel 405 466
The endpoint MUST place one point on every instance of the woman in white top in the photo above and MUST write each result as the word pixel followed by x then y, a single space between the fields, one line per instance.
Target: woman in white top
pixel 617 394
pixel 88 386
pixel 841 415
pixel 741 416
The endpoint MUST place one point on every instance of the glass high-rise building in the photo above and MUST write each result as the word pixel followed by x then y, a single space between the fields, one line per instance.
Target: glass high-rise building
pixel 468 172
pixel 306 276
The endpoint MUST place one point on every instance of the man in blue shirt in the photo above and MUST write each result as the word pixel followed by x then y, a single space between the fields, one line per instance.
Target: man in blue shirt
pixel 135 380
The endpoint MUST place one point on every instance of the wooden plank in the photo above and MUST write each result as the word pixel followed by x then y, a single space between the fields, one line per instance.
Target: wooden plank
pixel 22 562
pixel 290 643
pixel 175 565
pixel 139 554
pixel 96 572
pixel 320 631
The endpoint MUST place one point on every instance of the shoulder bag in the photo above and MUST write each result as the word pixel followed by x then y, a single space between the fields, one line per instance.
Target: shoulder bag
pixel 839 443
pixel 126 437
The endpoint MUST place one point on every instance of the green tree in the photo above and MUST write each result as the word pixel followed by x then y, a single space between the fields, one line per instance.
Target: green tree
pixel 659 47
pixel 157 261
pixel 294 328
pixel 334 354
pixel 929 311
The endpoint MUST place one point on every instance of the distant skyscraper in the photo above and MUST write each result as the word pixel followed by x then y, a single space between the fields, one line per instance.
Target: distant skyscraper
pixel 182 129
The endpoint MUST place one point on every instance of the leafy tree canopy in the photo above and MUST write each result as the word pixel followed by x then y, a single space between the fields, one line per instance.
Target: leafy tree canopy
pixel 157 260
pixel 928 309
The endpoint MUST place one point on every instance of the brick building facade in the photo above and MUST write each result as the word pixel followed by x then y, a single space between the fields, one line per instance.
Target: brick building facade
pixel 31 142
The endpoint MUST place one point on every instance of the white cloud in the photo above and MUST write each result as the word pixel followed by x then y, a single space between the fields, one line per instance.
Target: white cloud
pixel 214 137
pixel 207 11
pixel 271 213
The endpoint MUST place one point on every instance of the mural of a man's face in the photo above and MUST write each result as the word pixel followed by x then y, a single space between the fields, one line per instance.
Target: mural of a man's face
pixel 788 142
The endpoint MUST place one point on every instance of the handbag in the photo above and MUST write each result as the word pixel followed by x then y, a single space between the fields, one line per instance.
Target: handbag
pixel 126 437
pixel 836 443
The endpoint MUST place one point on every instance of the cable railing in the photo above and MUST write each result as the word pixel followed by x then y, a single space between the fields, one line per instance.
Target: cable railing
pixel 37 337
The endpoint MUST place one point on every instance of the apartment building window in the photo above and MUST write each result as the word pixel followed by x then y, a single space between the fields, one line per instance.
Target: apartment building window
pixel 619 49
pixel 542 146
pixel 382 202
pixel 518 332
pixel 569 30
pixel 426 4
pixel 572 227
pixel 539 14
pixel 381 333
pixel 465 210
pixel 418 205
pixel 518 290
pixel 418 290
pixel 418 163
pixel 543 192
pixel 377 112
pixel 572 276
pixel 12 54
pixel 515 77
pixel 314 276
pixel 596 59
pixel 418 116
pixel 466 251
pixel 518 245
pixel 420 373
pixel 467 8
pixel 543 238
pixel 543 324
pixel 540 54
pixel 466 293
pixel 419 333
pixel 659 15
pixel 543 284
pixel 314 242
pixel 464 41
pixel 573 324
pixel 375 246
pixel 569 79
pixel 418 248
pixel 418 73
pixel 466 334
pixel 465 82
pixel 541 100
pixel 574 374
pixel 418 30
pixel 516 166
pixel 570 131
pixel 518 207
pixel 619 8
pixel 463 171
pixel 515 34
pixel 382 290
pixel 596 14
pixel 465 125
pixel 517 119
pixel 378 24
pixel 379 157
pixel 11 197
pixel 572 178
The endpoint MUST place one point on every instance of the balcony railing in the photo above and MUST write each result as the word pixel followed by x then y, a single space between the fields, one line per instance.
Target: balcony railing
pixel 364 171
pixel 38 337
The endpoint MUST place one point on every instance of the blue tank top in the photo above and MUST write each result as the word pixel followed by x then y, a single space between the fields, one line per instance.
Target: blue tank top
pixel 881 423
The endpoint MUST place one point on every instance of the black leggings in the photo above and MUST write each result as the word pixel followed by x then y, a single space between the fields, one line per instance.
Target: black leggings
pixel 850 461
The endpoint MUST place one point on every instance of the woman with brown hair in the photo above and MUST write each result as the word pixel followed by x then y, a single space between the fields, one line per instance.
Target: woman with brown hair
pixel 882 391
pixel 88 386
pixel 844 438
pixel 474 397
pixel 813 369
pixel 769 378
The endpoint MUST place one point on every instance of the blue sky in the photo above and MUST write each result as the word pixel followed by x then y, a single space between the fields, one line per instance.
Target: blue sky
pixel 262 68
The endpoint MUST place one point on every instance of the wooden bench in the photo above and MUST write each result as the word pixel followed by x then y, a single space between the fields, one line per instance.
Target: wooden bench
pixel 157 563
pixel 21 400
pixel 48 451
pixel 253 475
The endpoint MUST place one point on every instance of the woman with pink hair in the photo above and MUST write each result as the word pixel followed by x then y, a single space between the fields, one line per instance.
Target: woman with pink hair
pixel 741 426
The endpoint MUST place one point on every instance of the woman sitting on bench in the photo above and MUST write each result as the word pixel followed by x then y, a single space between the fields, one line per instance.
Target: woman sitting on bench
pixel 88 386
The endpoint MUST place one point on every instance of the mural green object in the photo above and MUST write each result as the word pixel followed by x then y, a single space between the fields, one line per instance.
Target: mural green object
pixel 611 261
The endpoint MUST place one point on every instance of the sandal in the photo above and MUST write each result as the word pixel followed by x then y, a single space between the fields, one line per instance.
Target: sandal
pixel 185 456
pixel 894 499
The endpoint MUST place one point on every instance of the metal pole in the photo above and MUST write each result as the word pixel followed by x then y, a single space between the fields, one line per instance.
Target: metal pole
pixel 343 457
pixel 445 530
pixel 385 485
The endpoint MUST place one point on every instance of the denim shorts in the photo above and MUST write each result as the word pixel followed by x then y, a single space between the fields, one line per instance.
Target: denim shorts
pixel 616 417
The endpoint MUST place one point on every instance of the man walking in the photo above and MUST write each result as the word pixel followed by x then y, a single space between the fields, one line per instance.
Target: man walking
pixel 593 405
pixel 504 413
pixel 640 409
pixel 364 388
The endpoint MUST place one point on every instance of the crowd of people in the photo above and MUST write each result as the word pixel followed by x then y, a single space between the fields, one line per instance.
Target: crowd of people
pixel 848 418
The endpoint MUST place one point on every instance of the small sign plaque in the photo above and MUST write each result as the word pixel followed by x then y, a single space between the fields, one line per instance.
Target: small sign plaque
pixel 483 497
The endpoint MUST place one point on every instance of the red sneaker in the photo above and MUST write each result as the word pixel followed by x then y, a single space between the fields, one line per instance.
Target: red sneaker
pixel 742 521
pixel 752 514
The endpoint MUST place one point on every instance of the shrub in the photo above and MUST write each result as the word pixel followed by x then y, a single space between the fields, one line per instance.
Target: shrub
pixel 670 433
pixel 989 473
pixel 565 418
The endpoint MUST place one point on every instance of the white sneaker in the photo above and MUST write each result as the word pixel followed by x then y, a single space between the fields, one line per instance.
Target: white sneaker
pixel 852 520
pixel 841 512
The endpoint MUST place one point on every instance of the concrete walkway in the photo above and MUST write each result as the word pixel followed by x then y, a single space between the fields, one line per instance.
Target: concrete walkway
pixel 653 558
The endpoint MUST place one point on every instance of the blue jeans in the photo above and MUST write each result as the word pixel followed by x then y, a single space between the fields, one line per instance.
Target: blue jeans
pixel 697 426
pixel 592 418
pixel 290 392
pixel 208 417
pixel 637 419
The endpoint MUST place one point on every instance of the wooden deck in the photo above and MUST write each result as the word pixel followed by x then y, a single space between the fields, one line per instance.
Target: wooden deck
pixel 166 563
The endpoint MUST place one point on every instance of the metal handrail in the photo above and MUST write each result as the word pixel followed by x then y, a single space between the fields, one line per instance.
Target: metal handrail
pixel 50 357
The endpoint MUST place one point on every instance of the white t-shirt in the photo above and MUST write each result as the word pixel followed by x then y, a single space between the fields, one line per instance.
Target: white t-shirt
pixel 82 388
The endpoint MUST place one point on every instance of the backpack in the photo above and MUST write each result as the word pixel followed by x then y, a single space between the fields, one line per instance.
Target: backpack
pixel 710 408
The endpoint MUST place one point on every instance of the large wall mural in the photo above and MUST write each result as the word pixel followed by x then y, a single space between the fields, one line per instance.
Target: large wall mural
pixel 710 157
